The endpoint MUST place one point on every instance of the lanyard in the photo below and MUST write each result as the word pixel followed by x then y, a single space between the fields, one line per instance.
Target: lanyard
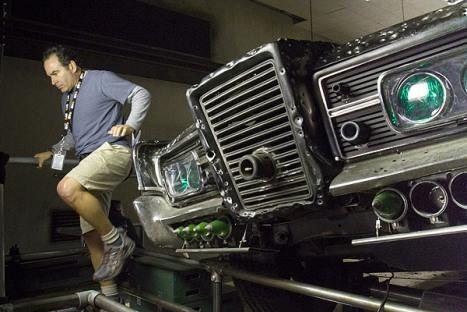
pixel 70 105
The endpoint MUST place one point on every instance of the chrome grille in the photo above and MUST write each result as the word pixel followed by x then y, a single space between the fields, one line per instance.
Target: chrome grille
pixel 363 84
pixel 248 113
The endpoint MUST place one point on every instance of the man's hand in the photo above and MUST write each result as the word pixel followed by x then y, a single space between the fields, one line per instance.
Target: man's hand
pixel 42 157
pixel 121 130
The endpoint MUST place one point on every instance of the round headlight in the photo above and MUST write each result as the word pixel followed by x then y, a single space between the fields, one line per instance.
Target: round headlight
pixel 422 97
pixel 390 205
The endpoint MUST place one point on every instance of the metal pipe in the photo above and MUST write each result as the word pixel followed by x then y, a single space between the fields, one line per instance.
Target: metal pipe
pixel 190 262
pixel 413 235
pixel 79 300
pixel 320 292
pixel 216 280
pixel 99 301
pixel 2 247
pixel 165 305
pixel 214 250
pixel 406 295
pixel 102 302
pixel 3 160
pixel 47 304
pixel 33 161
pixel 296 287
pixel 49 254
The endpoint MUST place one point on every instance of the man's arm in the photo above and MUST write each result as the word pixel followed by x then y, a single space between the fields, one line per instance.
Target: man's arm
pixel 68 144
pixel 140 99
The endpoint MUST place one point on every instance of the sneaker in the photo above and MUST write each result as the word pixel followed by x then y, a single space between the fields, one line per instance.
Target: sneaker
pixel 114 258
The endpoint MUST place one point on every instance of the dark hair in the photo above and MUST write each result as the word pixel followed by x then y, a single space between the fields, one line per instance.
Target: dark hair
pixel 64 54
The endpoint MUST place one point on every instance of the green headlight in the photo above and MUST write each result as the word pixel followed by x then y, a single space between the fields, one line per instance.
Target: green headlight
pixel 183 177
pixel 390 205
pixel 421 97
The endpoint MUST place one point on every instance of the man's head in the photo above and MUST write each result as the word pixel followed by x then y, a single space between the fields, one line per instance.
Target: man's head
pixel 61 65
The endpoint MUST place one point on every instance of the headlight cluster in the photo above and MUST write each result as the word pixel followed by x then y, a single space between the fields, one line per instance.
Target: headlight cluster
pixel 178 168
pixel 427 93
pixel 183 176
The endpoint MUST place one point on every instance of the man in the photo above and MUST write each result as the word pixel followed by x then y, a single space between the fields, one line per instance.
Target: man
pixel 92 103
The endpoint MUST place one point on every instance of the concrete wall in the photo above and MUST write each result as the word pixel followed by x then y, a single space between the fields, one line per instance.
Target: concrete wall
pixel 237 26
pixel 30 119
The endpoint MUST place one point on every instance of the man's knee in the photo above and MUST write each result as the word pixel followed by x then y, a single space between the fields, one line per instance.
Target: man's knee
pixel 68 189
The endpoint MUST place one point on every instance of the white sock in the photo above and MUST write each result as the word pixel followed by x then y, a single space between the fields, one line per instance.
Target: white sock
pixel 109 290
pixel 111 237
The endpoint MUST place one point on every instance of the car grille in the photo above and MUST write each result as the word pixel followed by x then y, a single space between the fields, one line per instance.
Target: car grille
pixel 248 113
pixel 364 104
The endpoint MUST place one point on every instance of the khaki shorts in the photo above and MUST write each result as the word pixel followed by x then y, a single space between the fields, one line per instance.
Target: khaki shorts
pixel 101 172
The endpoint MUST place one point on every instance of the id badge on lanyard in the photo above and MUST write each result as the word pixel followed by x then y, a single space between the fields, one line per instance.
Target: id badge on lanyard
pixel 59 156
pixel 58 159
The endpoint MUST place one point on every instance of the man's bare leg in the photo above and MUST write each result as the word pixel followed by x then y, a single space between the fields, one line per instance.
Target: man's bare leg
pixel 85 204
pixel 96 250
pixel 117 245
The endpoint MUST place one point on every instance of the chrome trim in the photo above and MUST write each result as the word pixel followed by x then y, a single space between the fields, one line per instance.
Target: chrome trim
pixel 157 187
pixel 346 138
pixel 403 166
pixel 350 107
pixel 326 107
pixel 413 235
pixel 156 215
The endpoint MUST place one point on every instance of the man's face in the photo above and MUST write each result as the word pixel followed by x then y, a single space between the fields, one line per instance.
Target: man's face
pixel 62 77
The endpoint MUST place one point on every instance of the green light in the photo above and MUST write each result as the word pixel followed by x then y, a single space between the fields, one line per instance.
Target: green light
pixel 220 228
pixel 421 97
pixel 179 232
pixel 388 205
pixel 183 177
pixel 188 233
pixel 202 230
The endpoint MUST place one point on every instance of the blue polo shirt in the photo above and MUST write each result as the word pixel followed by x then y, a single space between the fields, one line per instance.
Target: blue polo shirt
pixel 98 108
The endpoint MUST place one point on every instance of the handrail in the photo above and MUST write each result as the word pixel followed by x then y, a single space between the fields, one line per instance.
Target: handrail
pixel 33 161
